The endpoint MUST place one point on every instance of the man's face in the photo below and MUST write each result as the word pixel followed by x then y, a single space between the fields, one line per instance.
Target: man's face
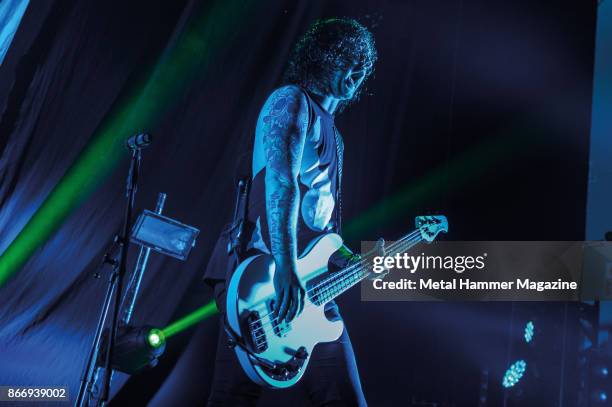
pixel 347 81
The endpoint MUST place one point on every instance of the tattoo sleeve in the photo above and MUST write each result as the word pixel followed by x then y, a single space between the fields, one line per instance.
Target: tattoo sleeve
pixel 285 122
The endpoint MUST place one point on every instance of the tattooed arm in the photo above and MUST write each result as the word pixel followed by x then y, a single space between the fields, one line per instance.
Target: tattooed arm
pixel 283 123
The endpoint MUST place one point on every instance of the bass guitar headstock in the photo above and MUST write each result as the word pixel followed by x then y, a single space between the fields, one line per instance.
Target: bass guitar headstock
pixel 430 226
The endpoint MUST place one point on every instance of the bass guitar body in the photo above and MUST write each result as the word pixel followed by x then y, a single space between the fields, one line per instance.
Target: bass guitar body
pixel 272 354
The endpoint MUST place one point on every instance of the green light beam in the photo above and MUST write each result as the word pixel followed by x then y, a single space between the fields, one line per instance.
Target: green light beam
pixel 142 109
pixel 190 319
pixel 463 169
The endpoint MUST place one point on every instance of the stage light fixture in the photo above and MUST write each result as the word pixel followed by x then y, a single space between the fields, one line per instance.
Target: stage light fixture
pixel 156 338
pixel 529 331
pixel 164 235
pixel 514 373
pixel 599 396
pixel 136 349
pixel 600 362
pixel 600 369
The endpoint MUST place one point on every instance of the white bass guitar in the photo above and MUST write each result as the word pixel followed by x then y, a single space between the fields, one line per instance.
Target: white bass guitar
pixel 276 354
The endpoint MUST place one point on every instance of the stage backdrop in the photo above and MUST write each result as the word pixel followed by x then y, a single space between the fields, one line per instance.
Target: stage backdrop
pixel 478 109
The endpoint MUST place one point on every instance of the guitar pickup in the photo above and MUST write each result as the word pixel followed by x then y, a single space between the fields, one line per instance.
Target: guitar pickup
pixel 258 334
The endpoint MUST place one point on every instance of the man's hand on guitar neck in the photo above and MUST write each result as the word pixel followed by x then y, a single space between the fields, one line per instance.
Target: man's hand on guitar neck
pixel 379 250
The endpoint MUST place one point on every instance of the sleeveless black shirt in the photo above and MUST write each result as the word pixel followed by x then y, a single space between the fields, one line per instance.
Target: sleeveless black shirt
pixel 319 180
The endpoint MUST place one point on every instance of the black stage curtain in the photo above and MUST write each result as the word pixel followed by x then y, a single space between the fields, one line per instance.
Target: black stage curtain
pixel 479 109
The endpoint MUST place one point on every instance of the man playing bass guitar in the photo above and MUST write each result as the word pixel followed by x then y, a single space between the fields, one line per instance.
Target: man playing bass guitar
pixel 295 196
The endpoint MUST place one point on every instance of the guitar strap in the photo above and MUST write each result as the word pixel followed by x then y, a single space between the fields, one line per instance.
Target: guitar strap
pixel 240 226
pixel 339 157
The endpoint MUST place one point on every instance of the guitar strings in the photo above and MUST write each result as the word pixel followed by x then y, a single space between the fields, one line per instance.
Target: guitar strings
pixel 347 270
pixel 350 272
pixel 340 276
pixel 402 245
pixel 265 326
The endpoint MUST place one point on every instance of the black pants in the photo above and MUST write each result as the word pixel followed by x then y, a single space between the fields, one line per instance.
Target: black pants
pixel 331 378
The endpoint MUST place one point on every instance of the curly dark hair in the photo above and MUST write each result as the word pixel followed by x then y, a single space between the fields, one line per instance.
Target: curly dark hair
pixel 327 46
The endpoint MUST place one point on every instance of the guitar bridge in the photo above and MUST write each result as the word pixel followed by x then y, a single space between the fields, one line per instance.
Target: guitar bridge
pixel 289 369
pixel 258 334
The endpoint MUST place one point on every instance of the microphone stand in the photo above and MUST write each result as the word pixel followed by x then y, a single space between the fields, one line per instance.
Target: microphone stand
pixel 113 293
pixel 132 183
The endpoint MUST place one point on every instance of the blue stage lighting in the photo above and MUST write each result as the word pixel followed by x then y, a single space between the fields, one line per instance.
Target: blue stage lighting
pixel 599 397
pixel 600 371
pixel 514 373
pixel 529 331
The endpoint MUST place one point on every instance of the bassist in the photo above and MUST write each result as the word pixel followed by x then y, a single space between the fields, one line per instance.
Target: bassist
pixel 295 196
